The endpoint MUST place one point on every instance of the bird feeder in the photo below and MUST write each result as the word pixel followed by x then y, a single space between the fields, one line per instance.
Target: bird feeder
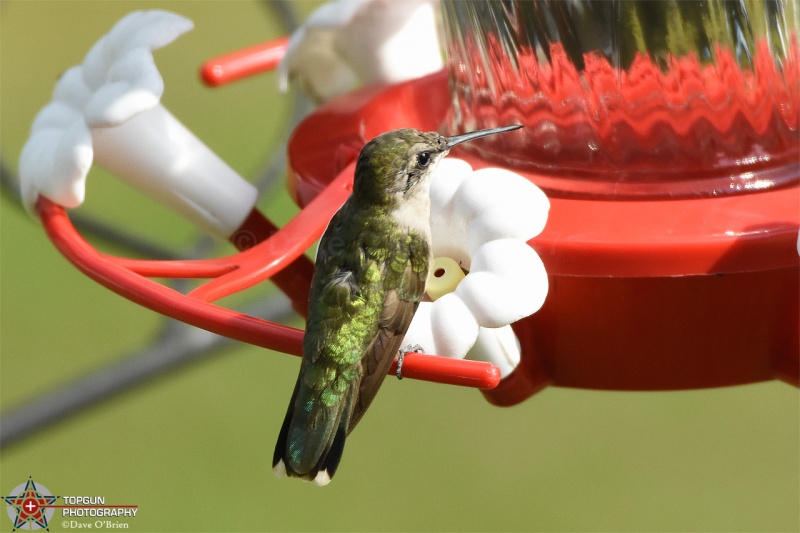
pixel 671 245
pixel 672 171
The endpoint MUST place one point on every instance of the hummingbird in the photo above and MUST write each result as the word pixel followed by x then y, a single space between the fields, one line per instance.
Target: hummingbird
pixel 369 277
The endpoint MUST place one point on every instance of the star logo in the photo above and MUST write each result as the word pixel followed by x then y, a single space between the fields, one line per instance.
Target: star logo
pixel 28 506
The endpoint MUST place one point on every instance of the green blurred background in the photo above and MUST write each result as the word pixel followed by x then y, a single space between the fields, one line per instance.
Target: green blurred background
pixel 193 449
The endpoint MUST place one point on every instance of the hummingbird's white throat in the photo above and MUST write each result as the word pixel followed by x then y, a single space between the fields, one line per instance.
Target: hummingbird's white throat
pixel 414 210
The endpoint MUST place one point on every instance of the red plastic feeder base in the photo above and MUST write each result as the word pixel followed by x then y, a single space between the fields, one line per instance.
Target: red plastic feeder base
pixel 644 294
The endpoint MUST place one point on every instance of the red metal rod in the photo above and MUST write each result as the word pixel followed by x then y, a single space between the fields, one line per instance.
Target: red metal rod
pixel 294 279
pixel 148 293
pixel 262 261
pixel 196 268
pixel 225 69
pixel 437 369
pixel 112 273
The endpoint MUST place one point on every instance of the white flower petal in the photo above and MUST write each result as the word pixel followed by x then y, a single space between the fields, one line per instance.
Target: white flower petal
pixel 312 57
pixel 35 162
pixel 507 282
pixel 117 80
pixel 392 41
pixel 499 346
pixel 115 103
pixel 150 30
pixel 483 220
pixel 509 258
pixel 321 72
pixel 54 163
pixel 71 90
pixel 55 115
pixel 347 41
pixel 503 204
pixel 486 296
pixel 420 332
pixel 447 178
pixel 95 66
pixel 449 231
pixel 71 163
pixel 122 70
pixel 454 326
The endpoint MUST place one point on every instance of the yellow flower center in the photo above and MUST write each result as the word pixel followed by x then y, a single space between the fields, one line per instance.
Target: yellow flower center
pixel 443 277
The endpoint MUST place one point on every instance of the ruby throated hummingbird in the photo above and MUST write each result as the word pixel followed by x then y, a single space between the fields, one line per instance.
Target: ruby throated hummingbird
pixel 370 273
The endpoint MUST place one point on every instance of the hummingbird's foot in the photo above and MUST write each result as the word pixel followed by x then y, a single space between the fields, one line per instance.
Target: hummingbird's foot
pixel 401 355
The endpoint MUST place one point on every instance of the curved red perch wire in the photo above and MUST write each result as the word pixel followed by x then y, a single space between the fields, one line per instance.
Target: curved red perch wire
pixel 231 274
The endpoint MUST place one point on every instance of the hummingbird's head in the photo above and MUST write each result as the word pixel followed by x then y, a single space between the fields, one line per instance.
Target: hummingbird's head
pixel 397 165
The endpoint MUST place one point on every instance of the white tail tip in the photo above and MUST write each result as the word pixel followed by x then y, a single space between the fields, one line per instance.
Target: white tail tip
pixel 322 479
pixel 279 469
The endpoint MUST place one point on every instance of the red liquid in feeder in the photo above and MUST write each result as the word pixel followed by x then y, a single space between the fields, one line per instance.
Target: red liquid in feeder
pixel 690 129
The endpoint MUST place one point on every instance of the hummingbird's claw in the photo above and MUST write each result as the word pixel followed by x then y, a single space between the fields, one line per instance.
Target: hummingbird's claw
pixel 401 355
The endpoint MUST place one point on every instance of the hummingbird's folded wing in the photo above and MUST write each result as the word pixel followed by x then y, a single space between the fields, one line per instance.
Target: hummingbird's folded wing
pixel 399 306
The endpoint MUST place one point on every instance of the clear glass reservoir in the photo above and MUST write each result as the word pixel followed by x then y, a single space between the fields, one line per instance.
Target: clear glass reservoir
pixel 630 98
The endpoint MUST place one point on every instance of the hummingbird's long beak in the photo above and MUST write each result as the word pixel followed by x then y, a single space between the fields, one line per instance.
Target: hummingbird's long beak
pixel 464 137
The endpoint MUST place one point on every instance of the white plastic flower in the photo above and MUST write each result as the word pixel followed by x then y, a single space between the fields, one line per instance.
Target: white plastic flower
pixel 485 276
pixel 108 109
pixel 349 41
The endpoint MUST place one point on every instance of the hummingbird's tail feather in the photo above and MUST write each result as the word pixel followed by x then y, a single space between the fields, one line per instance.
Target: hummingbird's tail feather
pixel 323 472
pixel 329 462
pixel 310 443
pixel 278 464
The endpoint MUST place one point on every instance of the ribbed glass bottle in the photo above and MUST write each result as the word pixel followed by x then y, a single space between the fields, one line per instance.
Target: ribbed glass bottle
pixel 628 98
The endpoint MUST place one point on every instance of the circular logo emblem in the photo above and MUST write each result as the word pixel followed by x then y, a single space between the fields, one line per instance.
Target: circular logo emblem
pixel 29 505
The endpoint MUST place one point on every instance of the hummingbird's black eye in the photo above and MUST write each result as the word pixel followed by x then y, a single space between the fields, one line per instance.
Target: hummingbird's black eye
pixel 423 159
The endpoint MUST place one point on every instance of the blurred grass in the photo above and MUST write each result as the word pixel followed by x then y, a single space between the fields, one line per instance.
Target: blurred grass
pixel 193 449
